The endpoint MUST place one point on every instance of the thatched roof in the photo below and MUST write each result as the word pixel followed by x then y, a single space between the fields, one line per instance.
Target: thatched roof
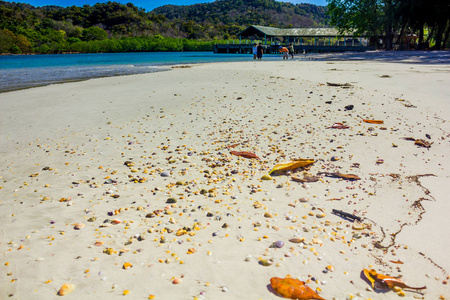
pixel 291 32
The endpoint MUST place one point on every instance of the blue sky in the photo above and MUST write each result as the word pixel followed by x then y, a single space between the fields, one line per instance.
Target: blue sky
pixel 147 4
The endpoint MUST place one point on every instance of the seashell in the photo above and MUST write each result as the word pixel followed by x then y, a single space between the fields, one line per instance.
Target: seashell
pixel 65 289
pixel 116 221
pixel 358 225
pixel 171 200
pixel 320 215
pixel 266 177
pixel 165 174
pixel 128 163
pixel 191 251
pixel 279 244
pixel 303 199
pixel 297 240
pixel 108 251
pixel 330 268
pixel 177 280
pixel 268 215
pixel 127 265
pixel 265 262
pixel 79 226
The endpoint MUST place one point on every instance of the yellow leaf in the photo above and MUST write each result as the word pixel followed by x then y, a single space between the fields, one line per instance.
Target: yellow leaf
pixel 367 274
pixel 290 165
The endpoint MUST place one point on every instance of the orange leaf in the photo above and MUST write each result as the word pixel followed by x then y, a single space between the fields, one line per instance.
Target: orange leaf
pixel 293 289
pixel 387 281
pixel 374 121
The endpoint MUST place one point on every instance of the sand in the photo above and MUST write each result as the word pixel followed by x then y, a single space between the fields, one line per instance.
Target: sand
pixel 95 152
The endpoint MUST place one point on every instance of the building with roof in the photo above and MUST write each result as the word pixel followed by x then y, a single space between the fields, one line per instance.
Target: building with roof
pixel 303 39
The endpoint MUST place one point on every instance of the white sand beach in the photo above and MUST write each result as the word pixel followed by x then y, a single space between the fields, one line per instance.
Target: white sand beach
pixel 143 163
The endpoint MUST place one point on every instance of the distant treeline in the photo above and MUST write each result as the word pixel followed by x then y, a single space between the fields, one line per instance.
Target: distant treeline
pixel 114 27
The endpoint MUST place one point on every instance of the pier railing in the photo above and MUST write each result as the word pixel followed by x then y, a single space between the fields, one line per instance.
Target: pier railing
pixel 298 48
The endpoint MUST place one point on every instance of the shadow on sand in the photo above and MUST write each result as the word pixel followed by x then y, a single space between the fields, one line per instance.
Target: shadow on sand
pixel 418 57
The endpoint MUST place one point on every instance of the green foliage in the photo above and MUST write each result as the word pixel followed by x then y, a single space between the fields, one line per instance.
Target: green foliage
pixel 389 18
pixel 11 43
pixel 94 33
pixel 114 27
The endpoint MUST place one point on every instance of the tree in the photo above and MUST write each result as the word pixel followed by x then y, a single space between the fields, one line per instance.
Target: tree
pixel 393 17
pixel 23 44
pixel 94 33
pixel 374 17
pixel 6 40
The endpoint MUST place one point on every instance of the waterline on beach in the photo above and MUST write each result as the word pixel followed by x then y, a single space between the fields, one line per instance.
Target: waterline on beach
pixel 25 71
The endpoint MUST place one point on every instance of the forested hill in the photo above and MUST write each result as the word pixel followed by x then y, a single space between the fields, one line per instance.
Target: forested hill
pixel 111 26
pixel 249 12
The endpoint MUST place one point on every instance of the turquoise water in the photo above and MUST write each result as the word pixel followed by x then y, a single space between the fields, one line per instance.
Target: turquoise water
pixel 24 71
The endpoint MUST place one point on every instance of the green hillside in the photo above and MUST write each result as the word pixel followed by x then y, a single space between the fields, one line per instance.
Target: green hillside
pixel 115 27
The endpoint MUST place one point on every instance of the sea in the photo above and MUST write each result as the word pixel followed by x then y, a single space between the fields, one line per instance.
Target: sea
pixel 26 71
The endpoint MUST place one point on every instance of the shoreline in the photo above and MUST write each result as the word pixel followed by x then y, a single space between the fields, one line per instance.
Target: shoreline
pixel 415 57
pixel 97 153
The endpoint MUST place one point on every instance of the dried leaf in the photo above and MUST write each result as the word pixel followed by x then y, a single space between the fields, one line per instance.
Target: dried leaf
pixel 339 84
pixel 373 121
pixel 245 154
pixel 419 142
pixel 233 145
pixel 396 262
pixel 293 289
pixel 305 179
pixel 340 175
pixel 369 277
pixel 423 143
pixel 290 165
pixel 387 281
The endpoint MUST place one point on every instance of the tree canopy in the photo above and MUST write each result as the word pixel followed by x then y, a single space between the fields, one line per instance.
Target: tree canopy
pixel 394 18
pixel 54 29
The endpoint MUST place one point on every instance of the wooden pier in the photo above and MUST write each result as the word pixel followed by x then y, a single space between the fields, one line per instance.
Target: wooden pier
pixel 273 49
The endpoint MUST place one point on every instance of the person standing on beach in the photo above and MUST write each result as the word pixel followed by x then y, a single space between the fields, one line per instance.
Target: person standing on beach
pixel 291 50
pixel 285 51
pixel 255 51
pixel 259 51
